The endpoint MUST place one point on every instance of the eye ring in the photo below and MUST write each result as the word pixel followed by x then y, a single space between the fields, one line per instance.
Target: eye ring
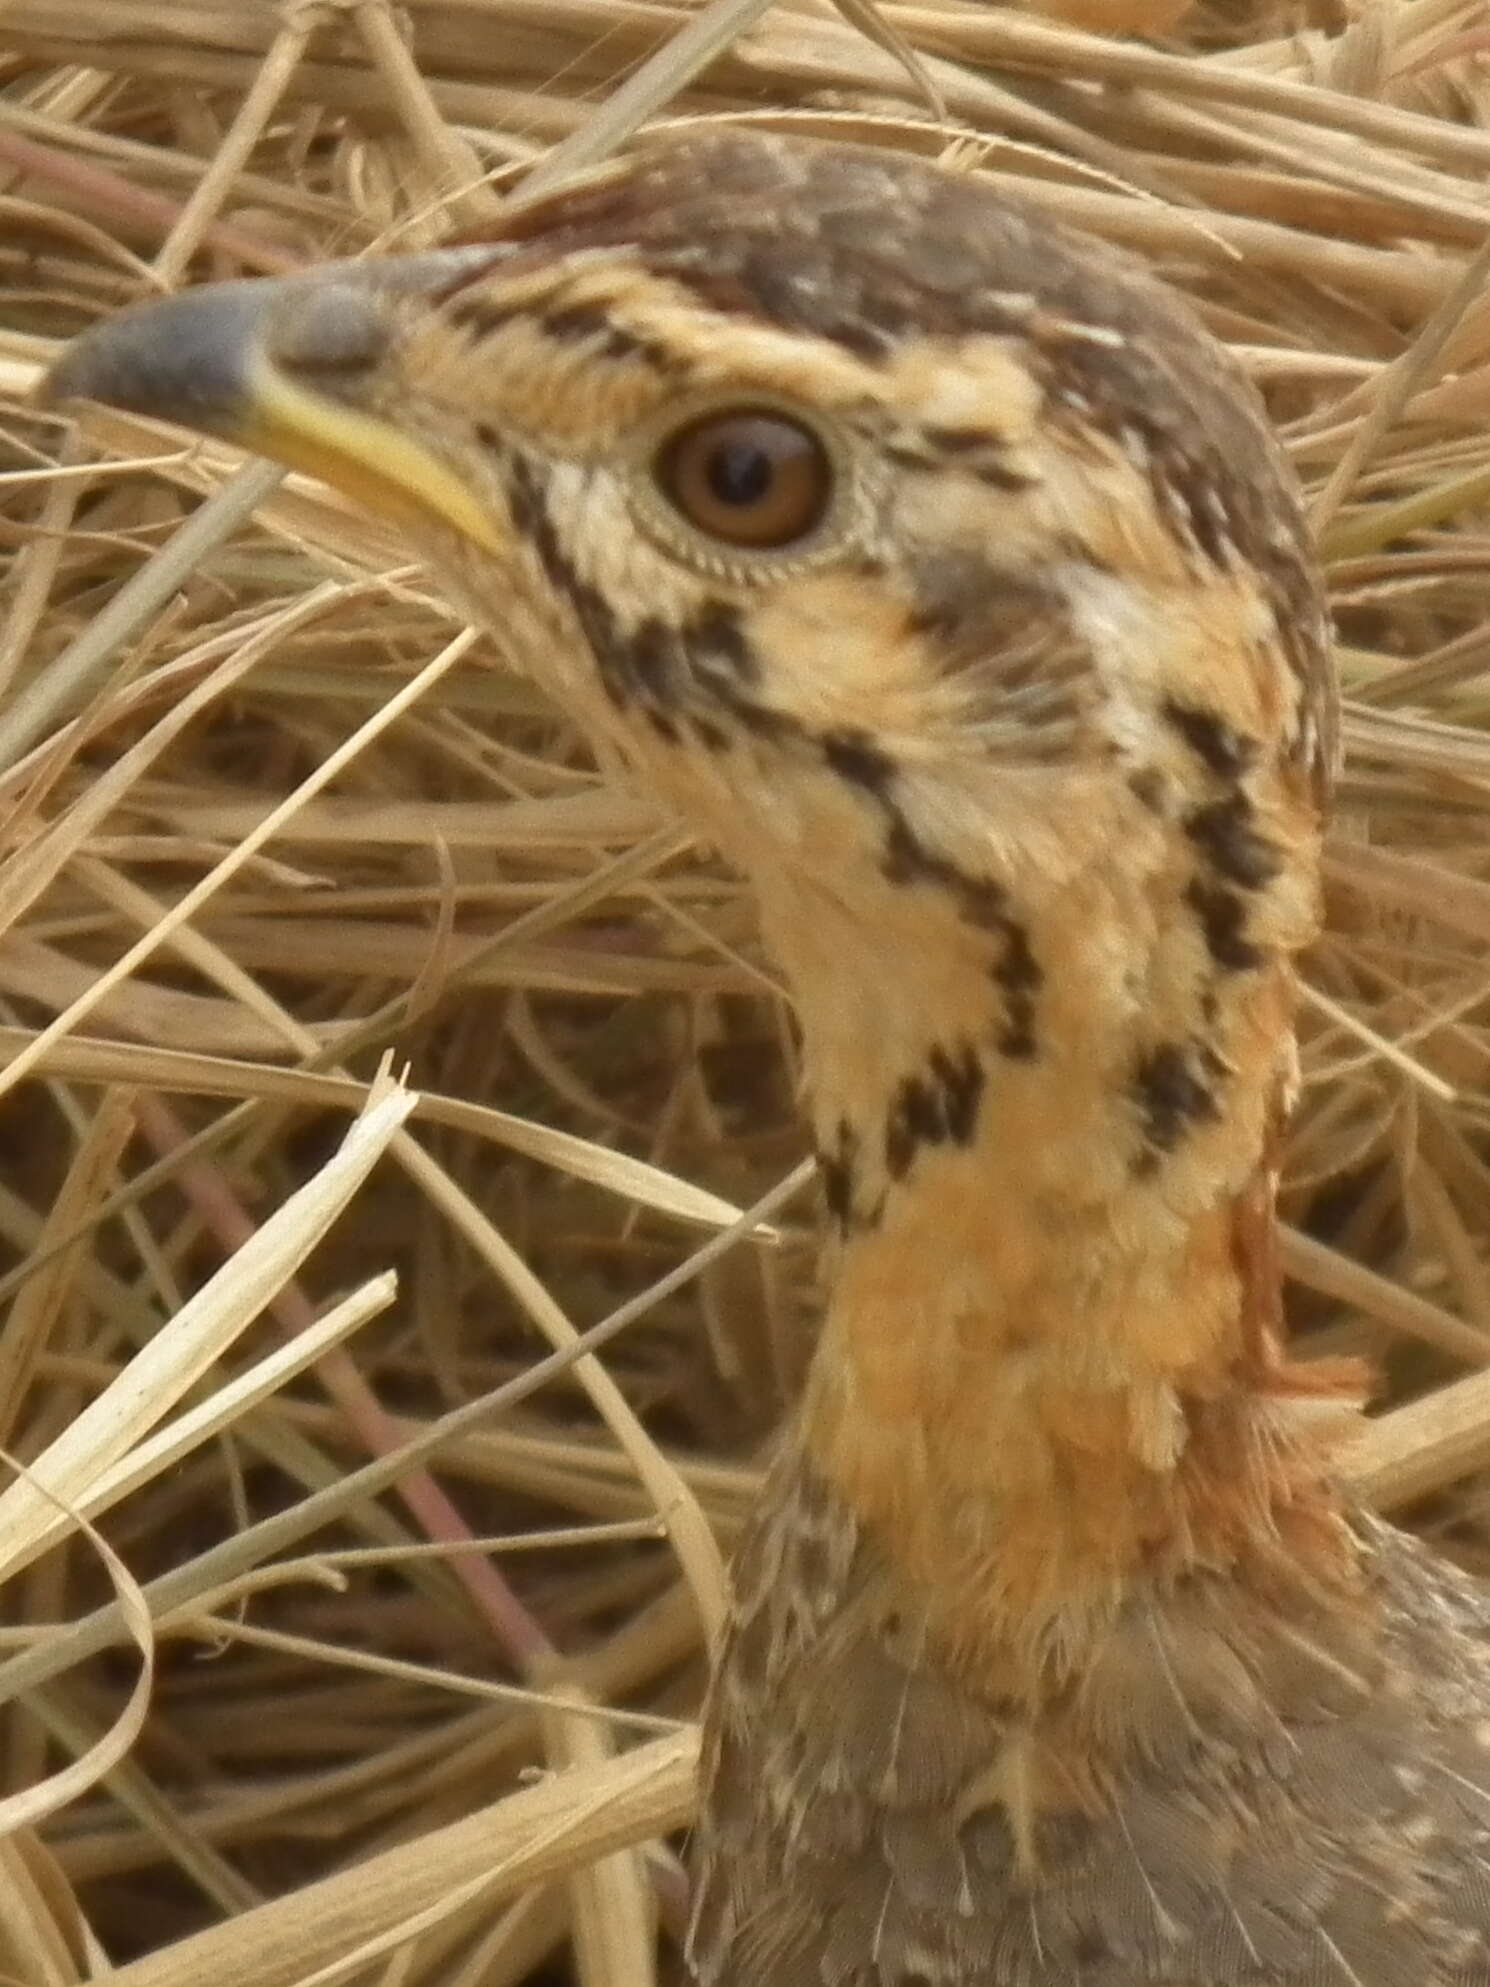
pixel 751 478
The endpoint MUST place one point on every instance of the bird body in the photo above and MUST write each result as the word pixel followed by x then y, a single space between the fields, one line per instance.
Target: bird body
pixel 945 574
pixel 1243 1783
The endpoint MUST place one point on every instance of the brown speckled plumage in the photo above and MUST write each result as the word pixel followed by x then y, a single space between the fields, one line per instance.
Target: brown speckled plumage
pixel 1058 1659
pixel 1235 1791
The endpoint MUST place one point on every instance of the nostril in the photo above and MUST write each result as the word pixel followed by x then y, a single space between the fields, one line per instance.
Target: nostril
pixel 328 328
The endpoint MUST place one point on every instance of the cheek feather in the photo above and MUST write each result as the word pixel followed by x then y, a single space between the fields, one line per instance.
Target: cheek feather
pixel 840 654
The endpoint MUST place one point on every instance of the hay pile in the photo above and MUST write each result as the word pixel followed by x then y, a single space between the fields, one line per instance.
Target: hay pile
pixel 271 818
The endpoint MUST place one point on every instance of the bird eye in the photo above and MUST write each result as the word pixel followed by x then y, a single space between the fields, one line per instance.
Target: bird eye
pixel 752 478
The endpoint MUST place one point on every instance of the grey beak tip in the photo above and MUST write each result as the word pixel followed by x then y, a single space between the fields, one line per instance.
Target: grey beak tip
pixel 187 359
pixel 182 359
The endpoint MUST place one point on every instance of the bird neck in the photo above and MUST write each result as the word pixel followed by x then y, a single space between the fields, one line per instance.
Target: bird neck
pixel 1049 1122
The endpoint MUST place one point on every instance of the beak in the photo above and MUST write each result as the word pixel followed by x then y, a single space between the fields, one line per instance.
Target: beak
pixel 291 369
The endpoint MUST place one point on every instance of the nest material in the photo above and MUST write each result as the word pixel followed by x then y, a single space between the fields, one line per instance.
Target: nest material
pixel 271 817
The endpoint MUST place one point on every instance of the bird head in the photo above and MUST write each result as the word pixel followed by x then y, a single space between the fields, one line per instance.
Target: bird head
pixel 798 461
pixel 934 560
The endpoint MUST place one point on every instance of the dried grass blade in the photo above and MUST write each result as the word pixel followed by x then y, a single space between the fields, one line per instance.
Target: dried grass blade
pixel 34 1804
pixel 162 1371
pixel 34 1945
pixel 67 680
pixel 539 1833
pixel 1392 390
pixel 32 1318
pixel 322 1507
pixel 187 905
pixel 647 90
pixel 1326 1270
pixel 615 1938
pixel 177 1439
pixel 29 872
pixel 1423 1447
pixel 205 204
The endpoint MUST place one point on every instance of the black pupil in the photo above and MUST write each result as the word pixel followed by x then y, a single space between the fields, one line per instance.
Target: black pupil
pixel 739 473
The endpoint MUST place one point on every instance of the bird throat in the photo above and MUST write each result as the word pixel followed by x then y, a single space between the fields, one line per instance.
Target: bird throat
pixel 1049 1372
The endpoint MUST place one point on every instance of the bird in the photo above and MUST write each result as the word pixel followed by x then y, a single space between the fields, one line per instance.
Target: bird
pixel 943 572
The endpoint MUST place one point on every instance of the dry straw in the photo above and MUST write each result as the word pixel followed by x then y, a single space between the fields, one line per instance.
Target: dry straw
pixel 372 1448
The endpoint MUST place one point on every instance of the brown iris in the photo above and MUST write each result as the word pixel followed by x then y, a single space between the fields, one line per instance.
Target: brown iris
pixel 749 477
